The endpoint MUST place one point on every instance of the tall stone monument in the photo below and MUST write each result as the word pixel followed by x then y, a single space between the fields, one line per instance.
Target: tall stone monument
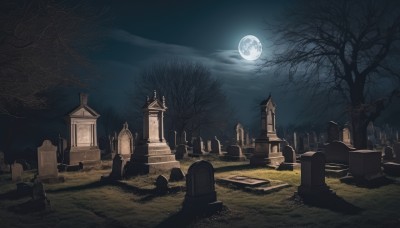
pixel 152 154
pixel 267 145
pixel 83 134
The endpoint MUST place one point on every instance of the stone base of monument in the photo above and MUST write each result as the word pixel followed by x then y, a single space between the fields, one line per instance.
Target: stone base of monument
pixel 206 204
pixel 51 180
pixel 289 166
pixel 151 158
pixel 391 168
pixel 89 155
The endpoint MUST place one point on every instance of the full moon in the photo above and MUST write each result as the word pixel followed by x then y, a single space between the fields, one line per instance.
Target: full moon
pixel 250 47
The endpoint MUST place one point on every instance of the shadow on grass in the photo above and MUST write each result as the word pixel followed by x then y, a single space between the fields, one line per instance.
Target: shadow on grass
pixel 234 168
pixel 331 202
pixel 148 194
pixel 377 183
pixel 186 219
pixel 31 206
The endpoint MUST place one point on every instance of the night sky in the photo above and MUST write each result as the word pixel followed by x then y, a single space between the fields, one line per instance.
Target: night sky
pixel 205 31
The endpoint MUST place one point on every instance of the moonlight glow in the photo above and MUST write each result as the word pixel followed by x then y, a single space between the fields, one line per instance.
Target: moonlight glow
pixel 250 47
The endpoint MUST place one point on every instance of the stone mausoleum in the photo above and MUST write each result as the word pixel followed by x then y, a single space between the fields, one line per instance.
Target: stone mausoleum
pixel 152 153
pixel 83 135
pixel 267 145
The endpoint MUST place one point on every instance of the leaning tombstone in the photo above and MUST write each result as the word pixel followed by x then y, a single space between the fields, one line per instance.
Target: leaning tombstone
pixel 337 152
pixel 16 172
pixel 215 146
pixel 313 175
pixel 201 196
pixel 39 198
pixel 117 171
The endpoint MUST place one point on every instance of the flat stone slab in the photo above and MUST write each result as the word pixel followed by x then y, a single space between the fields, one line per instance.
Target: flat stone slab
pixel 243 181
pixel 392 168
pixel 269 189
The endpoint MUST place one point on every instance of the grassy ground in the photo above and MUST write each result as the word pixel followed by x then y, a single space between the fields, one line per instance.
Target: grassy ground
pixel 84 201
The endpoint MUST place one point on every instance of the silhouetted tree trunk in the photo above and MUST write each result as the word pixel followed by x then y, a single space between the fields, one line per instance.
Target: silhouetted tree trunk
pixel 346 47
pixel 41 44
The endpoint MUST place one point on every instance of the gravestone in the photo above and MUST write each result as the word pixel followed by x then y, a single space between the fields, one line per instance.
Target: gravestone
pixel 333 132
pixel 295 140
pixel 267 149
pixel 234 153
pixel 290 159
pixel 337 152
pixel 198 146
pixel 182 139
pixel 180 151
pixel 365 164
pixel 47 163
pixel 16 171
pixel 313 175
pixel 208 146
pixel 82 143
pixel 346 136
pixel 388 153
pixel 176 174
pixel 239 134
pixel 125 142
pixel 152 154
pixel 200 189
pixel 215 146
pixel 161 184
pixel 289 154
pixel 118 167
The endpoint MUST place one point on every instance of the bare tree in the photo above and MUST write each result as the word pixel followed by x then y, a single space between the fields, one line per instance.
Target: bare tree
pixel 39 49
pixel 194 98
pixel 346 48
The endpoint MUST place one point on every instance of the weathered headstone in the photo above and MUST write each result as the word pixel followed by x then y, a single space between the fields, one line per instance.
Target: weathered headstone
pixel 200 188
pixel 47 162
pixel 365 164
pixel 234 153
pixel 313 175
pixel 215 146
pixel 388 153
pixel 125 142
pixel 239 134
pixel 161 184
pixel 176 174
pixel 267 149
pixel 180 151
pixel 117 171
pixel 39 198
pixel 16 171
pixel 337 152
pixel 333 132
pixel 289 154
pixel 290 159
pixel 346 136
pixel 207 146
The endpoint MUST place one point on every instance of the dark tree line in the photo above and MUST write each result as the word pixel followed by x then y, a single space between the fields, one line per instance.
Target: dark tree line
pixel 345 48
pixel 194 98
